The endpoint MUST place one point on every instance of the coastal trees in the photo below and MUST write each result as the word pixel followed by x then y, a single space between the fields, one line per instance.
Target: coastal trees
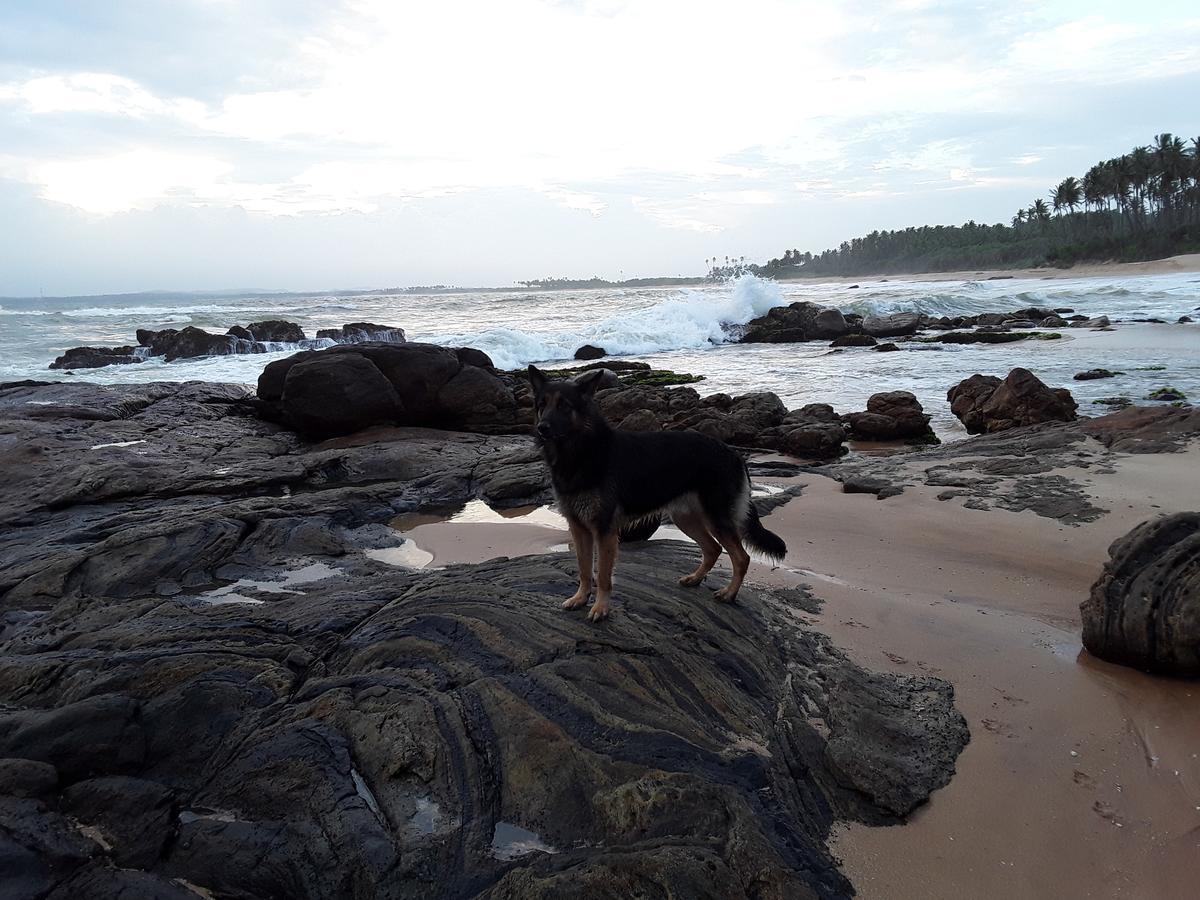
pixel 1143 204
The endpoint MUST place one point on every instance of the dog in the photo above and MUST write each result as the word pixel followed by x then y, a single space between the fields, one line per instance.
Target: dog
pixel 606 480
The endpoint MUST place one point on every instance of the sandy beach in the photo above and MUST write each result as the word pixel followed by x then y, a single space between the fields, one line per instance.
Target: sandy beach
pixel 1171 265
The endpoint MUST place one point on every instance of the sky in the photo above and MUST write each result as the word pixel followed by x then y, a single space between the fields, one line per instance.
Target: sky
pixel 293 144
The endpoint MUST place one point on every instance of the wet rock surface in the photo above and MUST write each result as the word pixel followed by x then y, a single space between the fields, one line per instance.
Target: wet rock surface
pixel 1144 609
pixel 192 342
pixel 986 404
pixel 891 415
pixel 206 680
pixel 800 321
pixel 1015 470
pixel 95 357
pixel 347 388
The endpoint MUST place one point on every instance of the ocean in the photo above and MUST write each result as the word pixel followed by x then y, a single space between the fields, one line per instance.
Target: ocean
pixel 685 329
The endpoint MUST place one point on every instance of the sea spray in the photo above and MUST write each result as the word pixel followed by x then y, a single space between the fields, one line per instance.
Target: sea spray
pixel 687 320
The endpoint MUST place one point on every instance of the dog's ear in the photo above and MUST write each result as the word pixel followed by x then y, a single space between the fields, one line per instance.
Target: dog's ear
pixel 589 381
pixel 537 378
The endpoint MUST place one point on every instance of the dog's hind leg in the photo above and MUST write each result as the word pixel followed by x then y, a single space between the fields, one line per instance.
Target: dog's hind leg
pixel 606 559
pixel 692 524
pixel 739 560
pixel 581 537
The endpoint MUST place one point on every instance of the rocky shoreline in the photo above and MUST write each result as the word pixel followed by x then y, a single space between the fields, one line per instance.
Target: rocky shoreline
pixel 212 679
pixel 207 680
pixel 191 343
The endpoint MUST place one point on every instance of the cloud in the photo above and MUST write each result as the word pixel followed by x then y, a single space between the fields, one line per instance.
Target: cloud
pixel 690 117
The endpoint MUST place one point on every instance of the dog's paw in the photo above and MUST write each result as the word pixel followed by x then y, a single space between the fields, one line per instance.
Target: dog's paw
pixel 598 611
pixel 691 580
pixel 575 601
pixel 724 595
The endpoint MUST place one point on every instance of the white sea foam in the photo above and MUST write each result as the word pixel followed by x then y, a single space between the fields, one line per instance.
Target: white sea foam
pixel 688 320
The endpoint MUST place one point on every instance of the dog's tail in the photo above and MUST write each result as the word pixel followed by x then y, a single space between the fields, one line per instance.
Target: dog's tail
pixel 768 543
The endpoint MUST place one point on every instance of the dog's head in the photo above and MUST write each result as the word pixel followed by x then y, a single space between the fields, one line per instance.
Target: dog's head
pixel 564 409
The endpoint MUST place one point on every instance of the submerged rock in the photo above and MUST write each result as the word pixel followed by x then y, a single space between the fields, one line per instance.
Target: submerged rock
pixel 191 342
pixel 1094 374
pixel 854 340
pixel 1144 610
pixel 94 357
pixel 588 351
pixel 985 404
pixel 362 332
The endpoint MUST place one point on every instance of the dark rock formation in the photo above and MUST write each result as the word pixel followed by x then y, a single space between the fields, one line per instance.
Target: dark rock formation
pixel 894 325
pixel 1144 610
pixel 445 728
pixel 191 342
pixel 889 347
pixel 1093 374
pixel 362 332
pixel 588 351
pixel 854 340
pixel 800 321
pixel 1167 394
pixel 347 388
pixel 174 711
pixel 187 343
pixel 94 357
pixel 985 404
pixel 867 484
pixel 980 337
pixel 274 330
pixel 892 415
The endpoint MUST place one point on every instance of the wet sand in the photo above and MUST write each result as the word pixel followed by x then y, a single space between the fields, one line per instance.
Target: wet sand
pixel 1082 779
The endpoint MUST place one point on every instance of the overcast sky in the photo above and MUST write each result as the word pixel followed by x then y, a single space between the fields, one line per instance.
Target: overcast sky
pixel 204 144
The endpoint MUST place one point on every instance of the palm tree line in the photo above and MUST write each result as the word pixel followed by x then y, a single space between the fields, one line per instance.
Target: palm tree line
pixel 1144 204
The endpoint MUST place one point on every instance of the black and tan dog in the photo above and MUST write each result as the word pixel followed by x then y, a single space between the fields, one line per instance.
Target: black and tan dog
pixel 606 480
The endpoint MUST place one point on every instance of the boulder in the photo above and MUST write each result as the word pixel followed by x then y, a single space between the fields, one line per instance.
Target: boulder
pixel 349 387
pixel 1093 374
pixel 330 395
pixel 1054 322
pixel 894 325
pixel 1144 609
pixel 889 347
pixel 854 340
pixel 588 351
pixel 892 415
pixel 363 332
pixel 640 420
pixel 812 414
pixel 94 357
pixel 815 441
pixel 275 331
pixel 800 321
pixel 187 343
pixel 985 404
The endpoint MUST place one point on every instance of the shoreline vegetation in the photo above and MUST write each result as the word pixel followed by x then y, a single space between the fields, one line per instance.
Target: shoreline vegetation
pixel 1142 205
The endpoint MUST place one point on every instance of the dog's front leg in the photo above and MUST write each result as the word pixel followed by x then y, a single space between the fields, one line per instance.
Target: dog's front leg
pixel 607 558
pixel 581 537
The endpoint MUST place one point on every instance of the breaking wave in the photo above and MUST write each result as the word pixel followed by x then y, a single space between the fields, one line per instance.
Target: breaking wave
pixel 689 320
